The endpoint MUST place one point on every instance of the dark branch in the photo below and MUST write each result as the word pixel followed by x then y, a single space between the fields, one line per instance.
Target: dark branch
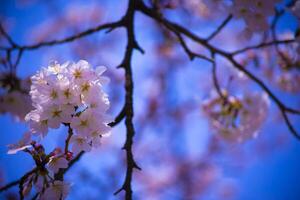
pixel 23 178
pixel 190 53
pixel 219 29
pixel 119 117
pixel 7 37
pixel 215 79
pixel 262 45
pixel 130 132
pixel 173 27
pixel 289 124
pixel 70 133
pixel 9 185
pixel 67 39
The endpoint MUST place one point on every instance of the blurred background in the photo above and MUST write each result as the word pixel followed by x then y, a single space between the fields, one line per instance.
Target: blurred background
pixel 180 155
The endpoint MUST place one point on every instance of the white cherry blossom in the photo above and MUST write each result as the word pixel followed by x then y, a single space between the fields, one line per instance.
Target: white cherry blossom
pixel 237 119
pixel 56 163
pixel 79 144
pixel 70 93
pixel 23 144
pixel 56 191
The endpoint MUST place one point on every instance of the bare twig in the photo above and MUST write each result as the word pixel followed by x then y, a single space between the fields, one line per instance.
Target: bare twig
pixel 9 185
pixel 67 39
pixel 70 133
pixel 263 45
pixel 7 36
pixel 22 181
pixel 215 79
pixel 23 178
pixel 219 29
pixel 119 117
pixel 190 53
pixel 289 124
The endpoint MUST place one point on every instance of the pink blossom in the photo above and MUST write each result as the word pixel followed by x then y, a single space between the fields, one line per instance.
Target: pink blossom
pixel 56 163
pixel 79 144
pixel 56 191
pixel 23 144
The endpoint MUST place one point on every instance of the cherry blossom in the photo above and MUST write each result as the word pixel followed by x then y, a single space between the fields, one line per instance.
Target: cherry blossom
pixel 36 124
pixel 296 9
pixel 80 143
pixel 56 163
pixel 237 118
pixel 70 93
pixel 17 103
pixel 57 190
pixel 14 98
pixel 23 144
pixel 254 13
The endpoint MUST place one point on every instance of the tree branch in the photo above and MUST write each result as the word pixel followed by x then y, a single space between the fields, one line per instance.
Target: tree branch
pixel 190 53
pixel 262 45
pixel 119 117
pixel 215 79
pixel 219 29
pixel 130 132
pixel 173 27
pixel 7 37
pixel 67 39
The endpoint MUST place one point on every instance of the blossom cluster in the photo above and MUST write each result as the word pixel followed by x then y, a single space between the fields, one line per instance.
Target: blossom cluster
pixel 14 98
pixel 236 118
pixel 204 7
pixel 43 177
pixel 255 13
pixel 296 10
pixel 70 94
pixel 282 69
pixel 288 76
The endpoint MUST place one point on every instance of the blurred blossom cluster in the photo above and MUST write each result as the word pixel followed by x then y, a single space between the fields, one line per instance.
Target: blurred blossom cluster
pixel 14 97
pixel 237 118
pixel 254 13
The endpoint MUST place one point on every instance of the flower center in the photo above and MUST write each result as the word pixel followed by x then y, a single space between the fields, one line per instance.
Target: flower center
pixel 77 74
pixel 56 113
pixel 53 94
pixel 83 123
pixel 67 93
pixel 85 87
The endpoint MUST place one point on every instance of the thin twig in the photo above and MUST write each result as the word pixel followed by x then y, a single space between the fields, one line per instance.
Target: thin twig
pixel 9 185
pixel 215 79
pixel 23 180
pixel 190 53
pixel 263 45
pixel 19 56
pixel 119 117
pixel 67 39
pixel 219 29
pixel 7 36
pixel 70 133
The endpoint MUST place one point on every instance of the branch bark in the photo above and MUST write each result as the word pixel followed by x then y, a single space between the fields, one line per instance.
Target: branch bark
pixel 129 113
